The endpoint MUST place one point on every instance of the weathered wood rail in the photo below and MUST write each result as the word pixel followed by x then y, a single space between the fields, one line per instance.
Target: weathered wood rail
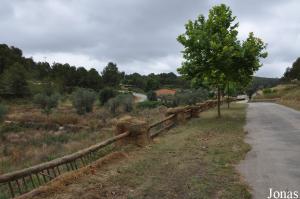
pixel 22 181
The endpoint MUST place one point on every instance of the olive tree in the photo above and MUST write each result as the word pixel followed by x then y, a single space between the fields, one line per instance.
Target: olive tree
pixel 83 100
pixel 46 102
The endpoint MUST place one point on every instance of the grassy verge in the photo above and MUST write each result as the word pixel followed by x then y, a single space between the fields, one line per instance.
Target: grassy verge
pixel 196 160
pixel 287 94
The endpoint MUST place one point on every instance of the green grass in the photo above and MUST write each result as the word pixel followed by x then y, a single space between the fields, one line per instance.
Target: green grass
pixel 196 160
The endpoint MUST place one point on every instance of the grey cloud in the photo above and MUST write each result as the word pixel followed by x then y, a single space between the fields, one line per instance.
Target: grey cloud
pixel 139 35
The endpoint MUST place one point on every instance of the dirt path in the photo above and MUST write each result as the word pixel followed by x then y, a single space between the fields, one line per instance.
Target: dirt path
pixel 195 160
pixel 274 161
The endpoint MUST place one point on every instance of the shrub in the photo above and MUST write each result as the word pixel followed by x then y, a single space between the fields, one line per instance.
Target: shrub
pixel 185 97
pixel 83 100
pixel 121 103
pixel 151 95
pixel 46 102
pixel 106 94
pixel 148 104
pixel 3 111
pixel 168 100
pixel 267 91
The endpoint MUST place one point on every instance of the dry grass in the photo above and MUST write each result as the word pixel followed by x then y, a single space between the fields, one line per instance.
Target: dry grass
pixel 289 95
pixel 63 181
pixel 22 146
pixel 192 161
pixel 30 147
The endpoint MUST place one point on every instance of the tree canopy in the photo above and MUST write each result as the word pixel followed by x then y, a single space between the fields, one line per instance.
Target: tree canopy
pixel 293 72
pixel 22 77
pixel 212 53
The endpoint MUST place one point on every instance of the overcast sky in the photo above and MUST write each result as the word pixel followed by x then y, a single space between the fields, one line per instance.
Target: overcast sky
pixel 139 35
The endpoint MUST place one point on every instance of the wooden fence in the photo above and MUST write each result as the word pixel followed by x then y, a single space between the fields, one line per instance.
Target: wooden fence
pixel 22 181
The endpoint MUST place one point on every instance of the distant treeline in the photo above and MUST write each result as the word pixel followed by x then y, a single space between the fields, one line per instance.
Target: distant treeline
pixel 261 83
pixel 264 82
pixel 21 76
pixel 293 72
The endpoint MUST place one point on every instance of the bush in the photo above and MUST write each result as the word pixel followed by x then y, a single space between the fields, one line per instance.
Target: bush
pixel 185 97
pixel 106 94
pixel 46 102
pixel 267 91
pixel 3 111
pixel 148 104
pixel 151 95
pixel 83 100
pixel 168 100
pixel 121 103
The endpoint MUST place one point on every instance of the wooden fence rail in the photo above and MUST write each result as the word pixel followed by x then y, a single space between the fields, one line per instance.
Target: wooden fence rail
pixel 22 181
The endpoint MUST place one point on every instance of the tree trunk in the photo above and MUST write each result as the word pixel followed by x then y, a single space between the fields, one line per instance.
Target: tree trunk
pixel 219 101
pixel 228 101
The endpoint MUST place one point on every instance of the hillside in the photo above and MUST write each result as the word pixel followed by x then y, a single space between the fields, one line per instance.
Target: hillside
pixel 287 94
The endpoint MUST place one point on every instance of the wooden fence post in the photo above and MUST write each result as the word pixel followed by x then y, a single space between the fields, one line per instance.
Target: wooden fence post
pixel 137 128
pixel 179 114
pixel 195 111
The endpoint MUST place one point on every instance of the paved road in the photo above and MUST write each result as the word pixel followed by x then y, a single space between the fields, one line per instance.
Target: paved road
pixel 274 161
pixel 140 97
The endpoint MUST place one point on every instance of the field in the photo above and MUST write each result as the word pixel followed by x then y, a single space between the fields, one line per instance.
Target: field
pixel 28 137
pixel 196 160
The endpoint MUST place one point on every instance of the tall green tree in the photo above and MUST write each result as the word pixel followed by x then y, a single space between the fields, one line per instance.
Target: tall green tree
pixel 111 75
pixel 249 60
pixel 212 53
pixel 13 81
pixel 210 45
pixel 293 72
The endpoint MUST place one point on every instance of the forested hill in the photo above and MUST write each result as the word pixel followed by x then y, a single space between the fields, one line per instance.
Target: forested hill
pixel 20 76
pixel 265 81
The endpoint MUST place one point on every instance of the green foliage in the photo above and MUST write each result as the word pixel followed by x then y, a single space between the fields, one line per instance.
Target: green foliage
pixel 3 111
pixel 83 100
pixel 209 46
pixel 21 76
pixel 259 83
pixel 111 75
pixel 155 81
pixel 152 83
pixel 135 80
pixel 106 94
pixel 121 103
pixel 293 72
pixel 148 104
pixel 185 97
pixel 213 54
pixel 151 96
pixel 46 101
pixel 269 91
pixel 13 81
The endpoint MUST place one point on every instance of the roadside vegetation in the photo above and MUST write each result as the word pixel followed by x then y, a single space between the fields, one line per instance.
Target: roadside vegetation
pixel 29 136
pixel 285 94
pixel 196 160
pixel 286 90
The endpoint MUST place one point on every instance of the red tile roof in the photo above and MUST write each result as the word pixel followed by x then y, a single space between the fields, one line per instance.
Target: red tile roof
pixel 165 92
